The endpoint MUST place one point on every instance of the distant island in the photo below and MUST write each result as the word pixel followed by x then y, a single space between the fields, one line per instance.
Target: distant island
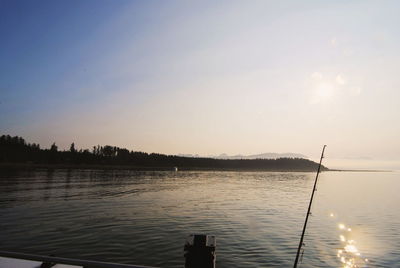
pixel 16 152
pixel 253 156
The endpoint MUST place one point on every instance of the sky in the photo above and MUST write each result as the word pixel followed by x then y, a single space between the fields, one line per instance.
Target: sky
pixel 205 77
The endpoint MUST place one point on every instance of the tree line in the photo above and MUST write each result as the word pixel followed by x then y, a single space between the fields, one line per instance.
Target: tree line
pixel 17 150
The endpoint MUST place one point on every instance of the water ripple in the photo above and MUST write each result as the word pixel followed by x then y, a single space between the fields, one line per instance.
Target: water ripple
pixel 144 217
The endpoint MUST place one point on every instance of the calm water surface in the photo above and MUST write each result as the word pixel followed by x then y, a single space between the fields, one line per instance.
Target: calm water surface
pixel 144 217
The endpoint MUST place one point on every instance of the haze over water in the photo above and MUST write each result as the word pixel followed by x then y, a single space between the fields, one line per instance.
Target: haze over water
pixel 144 217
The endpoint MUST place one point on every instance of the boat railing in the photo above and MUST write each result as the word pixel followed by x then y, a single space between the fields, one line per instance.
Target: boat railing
pixel 68 261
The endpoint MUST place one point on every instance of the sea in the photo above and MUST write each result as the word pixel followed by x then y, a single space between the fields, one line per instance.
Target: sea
pixel 144 217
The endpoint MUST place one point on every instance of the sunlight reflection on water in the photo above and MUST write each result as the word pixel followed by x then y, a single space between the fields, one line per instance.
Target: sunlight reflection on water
pixel 349 255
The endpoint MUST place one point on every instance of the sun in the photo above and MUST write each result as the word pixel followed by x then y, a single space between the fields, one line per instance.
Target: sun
pixel 324 91
pixel 323 88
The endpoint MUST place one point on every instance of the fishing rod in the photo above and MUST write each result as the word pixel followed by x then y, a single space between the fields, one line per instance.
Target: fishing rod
pixel 309 210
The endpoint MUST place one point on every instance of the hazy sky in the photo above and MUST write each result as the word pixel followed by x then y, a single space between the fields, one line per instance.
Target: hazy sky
pixel 205 77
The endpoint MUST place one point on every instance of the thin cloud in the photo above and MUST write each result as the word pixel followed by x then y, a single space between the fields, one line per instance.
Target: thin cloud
pixel 340 80
pixel 316 76
pixel 355 91
pixel 334 42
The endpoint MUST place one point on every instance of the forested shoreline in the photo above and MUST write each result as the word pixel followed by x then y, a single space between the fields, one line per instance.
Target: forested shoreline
pixel 16 152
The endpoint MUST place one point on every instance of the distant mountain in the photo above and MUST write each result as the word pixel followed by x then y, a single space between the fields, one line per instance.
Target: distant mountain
pixel 253 156
pixel 261 156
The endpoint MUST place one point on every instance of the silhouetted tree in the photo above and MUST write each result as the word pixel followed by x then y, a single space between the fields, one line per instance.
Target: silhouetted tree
pixel 54 147
pixel 108 151
pixel 72 148
pixel 15 149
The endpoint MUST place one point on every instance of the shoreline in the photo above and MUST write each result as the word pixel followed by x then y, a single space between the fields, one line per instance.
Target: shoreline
pixel 30 166
pixel 361 170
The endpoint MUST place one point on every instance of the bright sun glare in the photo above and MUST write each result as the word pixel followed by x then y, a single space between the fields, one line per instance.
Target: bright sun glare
pixel 324 91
